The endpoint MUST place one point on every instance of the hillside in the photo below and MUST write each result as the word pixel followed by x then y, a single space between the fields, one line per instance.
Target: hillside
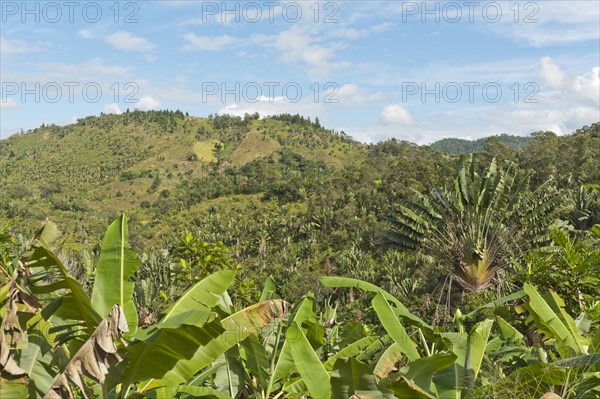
pixel 106 164
pixel 285 196
pixel 171 172
pixel 462 146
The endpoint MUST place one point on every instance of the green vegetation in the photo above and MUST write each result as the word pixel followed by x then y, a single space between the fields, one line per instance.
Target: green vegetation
pixel 57 342
pixel 462 146
pixel 271 258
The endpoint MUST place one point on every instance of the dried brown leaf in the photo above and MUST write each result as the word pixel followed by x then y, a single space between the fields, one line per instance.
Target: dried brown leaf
pixel 7 364
pixel 94 358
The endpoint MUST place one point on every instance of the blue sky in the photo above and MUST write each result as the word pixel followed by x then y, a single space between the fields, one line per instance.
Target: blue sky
pixel 411 70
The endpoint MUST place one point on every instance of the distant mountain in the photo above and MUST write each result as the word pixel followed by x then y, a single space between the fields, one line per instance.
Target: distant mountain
pixel 462 146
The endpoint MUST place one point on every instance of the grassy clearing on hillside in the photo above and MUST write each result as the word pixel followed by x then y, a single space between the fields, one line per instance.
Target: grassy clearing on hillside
pixel 254 146
pixel 205 150
pixel 335 156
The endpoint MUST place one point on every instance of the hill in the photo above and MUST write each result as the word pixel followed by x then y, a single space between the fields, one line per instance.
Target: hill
pixel 462 146
pixel 284 195
pixel 171 172
pixel 106 164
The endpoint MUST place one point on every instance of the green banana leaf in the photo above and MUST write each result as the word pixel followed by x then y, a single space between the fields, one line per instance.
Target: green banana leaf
pixel 269 290
pixel 508 332
pixel 353 377
pixel 312 371
pixel 388 360
pixel 559 326
pixel 255 359
pixel 186 391
pixel 469 350
pixel 165 349
pixel 206 293
pixel 230 378
pixel 36 357
pixel 194 304
pixel 13 389
pixel 304 312
pixel 399 308
pixel 352 350
pixel 236 328
pixel 394 328
pixel 116 265
pixel 417 376
pixel 74 304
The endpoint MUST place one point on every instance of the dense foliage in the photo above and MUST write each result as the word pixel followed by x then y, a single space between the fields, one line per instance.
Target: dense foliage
pixel 59 342
pixel 404 271
pixel 462 146
pixel 309 197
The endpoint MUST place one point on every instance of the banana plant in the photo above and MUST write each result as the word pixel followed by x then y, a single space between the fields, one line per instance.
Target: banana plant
pixel 73 349
pixel 282 360
pixel 117 264
pixel 263 363
pixel 56 342
pixel 44 308
pixel 444 365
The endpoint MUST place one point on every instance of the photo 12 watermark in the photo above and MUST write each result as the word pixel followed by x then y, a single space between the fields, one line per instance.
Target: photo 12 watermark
pixel 54 92
pixel 254 12
pixel 469 11
pixel 253 92
pixel 54 12
pixel 471 92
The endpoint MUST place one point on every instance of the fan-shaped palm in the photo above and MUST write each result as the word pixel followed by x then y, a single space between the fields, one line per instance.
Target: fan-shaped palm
pixel 479 225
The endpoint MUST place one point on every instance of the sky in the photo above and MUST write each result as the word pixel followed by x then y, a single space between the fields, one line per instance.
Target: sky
pixel 413 70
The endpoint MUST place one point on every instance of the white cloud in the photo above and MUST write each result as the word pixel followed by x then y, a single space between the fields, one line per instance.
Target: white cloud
pixel 17 46
pixel 8 103
pixel 86 33
pixel 588 85
pixel 547 23
pixel 552 73
pixel 353 33
pixel 147 103
pixel 91 70
pixel 112 108
pixel 351 94
pixel 298 46
pixel 395 114
pixel 207 43
pixel 584 89
pixel 123 40
pixel 520 119
pixel 266 99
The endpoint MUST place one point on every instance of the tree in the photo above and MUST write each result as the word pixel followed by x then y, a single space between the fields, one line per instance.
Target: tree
pixel 479 225
pixel 496 149
pixel 571 266
pixel 542 156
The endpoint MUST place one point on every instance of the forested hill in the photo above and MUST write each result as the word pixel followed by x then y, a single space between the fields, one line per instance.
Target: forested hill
pixel 284 194
pixel 156 164
pixel 462 146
